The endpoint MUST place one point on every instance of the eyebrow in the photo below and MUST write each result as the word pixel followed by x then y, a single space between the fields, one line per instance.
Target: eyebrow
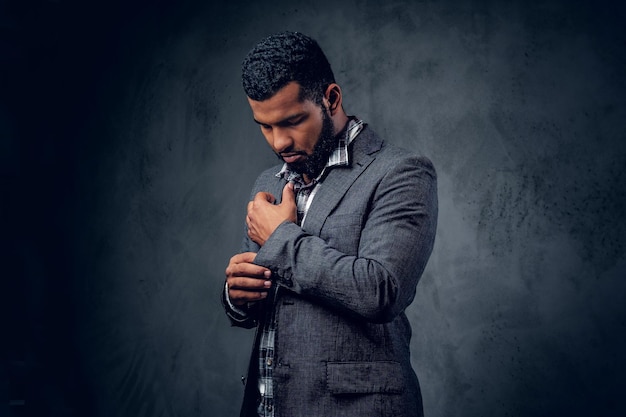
pixel 287 120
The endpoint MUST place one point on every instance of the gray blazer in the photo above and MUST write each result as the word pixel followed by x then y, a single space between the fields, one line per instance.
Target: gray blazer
pixel 345 278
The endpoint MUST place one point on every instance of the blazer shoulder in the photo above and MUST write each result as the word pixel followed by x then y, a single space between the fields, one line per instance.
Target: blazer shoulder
pixel 388 153
pixel 395 156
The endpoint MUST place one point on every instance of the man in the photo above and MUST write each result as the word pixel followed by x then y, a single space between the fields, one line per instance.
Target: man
pixel 337 238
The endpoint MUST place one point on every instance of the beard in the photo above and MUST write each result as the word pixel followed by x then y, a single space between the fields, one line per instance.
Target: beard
pixel 326 143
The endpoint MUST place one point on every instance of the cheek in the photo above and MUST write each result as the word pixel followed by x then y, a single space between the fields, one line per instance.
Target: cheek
pixel 309 140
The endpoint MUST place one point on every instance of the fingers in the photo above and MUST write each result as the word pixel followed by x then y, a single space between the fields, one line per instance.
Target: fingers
pixel 245 290
pixel 248 284
pixel 289 195
pixel 247 281
pixel 241 266
pixel 264 216
pixel 240 298
pixel 243 257
pixel 247 269
pixel 265 196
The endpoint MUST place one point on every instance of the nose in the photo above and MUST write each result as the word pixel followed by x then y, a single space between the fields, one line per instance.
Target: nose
pixel 281 141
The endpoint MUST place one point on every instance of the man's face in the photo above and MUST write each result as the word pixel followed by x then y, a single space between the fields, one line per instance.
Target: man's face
pixel 299 131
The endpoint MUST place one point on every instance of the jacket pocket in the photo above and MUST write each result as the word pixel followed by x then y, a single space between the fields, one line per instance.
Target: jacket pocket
pixel 364 377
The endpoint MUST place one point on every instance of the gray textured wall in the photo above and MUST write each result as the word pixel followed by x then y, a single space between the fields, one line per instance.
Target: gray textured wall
pixel 146 151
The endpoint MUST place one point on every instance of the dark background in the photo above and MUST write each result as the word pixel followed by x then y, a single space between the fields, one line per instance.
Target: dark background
pixel 128 151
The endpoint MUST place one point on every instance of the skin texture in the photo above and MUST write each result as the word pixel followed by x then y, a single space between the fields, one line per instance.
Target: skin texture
pixel 292 127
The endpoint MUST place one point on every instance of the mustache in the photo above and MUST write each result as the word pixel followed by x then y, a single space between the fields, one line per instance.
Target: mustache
pixel 290 152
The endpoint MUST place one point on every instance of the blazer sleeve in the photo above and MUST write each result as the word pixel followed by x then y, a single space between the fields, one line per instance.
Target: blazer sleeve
pixel 396 241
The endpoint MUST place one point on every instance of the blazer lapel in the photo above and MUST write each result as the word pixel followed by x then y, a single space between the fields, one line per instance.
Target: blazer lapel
pixel 339 179
pixel 277 190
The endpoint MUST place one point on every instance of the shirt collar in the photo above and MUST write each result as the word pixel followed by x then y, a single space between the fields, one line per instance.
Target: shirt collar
pixel 339 156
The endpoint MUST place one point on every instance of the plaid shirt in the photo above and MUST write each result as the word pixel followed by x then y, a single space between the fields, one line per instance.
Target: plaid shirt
pixel 304 195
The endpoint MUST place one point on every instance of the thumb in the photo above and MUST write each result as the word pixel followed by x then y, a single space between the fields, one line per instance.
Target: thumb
pixel 288 194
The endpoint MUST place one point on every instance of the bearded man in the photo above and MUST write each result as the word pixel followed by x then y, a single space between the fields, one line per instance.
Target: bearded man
pixel 337 238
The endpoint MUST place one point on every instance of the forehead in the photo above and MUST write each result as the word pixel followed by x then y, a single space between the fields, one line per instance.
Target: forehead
pixel 284 104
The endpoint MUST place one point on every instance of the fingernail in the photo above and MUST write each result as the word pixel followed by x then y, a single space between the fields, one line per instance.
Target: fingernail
pixel 267 274
pixel 267 284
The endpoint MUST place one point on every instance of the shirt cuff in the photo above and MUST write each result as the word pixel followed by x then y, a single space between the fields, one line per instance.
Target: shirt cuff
pixel 231 305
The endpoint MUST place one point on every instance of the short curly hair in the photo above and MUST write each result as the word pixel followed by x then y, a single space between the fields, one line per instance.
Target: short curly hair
pixel 282 58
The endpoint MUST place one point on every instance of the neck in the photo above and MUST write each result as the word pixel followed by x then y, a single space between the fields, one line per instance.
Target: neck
pixel 339 121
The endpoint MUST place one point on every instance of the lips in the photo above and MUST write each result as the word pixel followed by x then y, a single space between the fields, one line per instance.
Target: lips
pixel 292 157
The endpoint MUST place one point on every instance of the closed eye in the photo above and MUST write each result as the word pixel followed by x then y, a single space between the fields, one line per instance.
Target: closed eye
pixel 291 122
pixel 288 122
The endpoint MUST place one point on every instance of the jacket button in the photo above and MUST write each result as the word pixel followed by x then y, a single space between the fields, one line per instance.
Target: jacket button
pixel 269 362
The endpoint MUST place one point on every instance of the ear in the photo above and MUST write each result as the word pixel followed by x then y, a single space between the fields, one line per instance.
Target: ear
pixel 332 98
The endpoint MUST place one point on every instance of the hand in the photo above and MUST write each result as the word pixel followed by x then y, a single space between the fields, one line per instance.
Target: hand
pixel 247 282
pixel 264 216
